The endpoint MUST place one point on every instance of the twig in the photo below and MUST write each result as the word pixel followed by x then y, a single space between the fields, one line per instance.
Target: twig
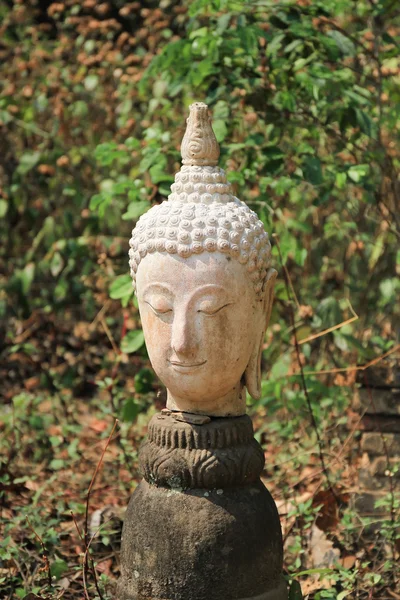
pixel 355 367
pixel 45 555
pixel 87 556
pixel 31 127
pixel 303 380
pixel 27 332
pixel 109 335
pixel 84 562
pixel 76 526
pixel 288 279
pixel 100 314
pixel 85 528
pixel 330 329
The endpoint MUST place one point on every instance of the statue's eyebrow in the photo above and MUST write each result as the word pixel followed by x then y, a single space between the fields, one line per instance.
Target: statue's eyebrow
pixel 209 288
pixel 160 288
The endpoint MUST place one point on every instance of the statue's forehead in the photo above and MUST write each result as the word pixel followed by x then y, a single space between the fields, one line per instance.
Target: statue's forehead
pixel 193 272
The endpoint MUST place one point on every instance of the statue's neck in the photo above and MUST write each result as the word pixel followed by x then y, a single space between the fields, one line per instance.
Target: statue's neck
pixel 233 404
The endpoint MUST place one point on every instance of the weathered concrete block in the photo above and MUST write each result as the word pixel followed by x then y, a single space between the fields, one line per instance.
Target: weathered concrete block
pixel 364 503
pixel 383 374
pixel 380 423
pixel 373 443
pixel 380 467
pixel 378 401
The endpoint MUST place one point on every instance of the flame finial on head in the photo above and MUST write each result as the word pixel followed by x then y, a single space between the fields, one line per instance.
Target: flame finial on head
pixel 199 144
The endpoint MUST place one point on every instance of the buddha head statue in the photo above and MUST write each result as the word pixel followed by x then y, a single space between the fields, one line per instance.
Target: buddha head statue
pixel 200 263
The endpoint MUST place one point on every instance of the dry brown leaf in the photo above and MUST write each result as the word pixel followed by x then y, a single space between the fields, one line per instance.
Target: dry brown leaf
pixel 32 383
pixel 323 552
pixel 98 425
pixel 348 562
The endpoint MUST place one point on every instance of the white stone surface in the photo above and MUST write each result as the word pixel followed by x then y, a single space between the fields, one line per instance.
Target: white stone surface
pixel 204 327
pixel 200 263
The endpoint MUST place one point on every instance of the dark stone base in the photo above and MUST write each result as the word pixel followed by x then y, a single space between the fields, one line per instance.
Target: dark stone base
pixel 220 544
pixel 279 593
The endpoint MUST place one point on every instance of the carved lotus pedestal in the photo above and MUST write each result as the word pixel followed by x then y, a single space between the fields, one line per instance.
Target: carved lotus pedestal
pixel 201 525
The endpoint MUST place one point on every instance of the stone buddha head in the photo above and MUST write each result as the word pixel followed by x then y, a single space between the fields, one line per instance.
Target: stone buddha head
pixel 200 263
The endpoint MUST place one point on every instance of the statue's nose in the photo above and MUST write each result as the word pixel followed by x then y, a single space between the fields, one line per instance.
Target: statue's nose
pixel 184 340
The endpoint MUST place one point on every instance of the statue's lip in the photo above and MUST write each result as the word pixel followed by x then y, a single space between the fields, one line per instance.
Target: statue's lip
pixel 184 365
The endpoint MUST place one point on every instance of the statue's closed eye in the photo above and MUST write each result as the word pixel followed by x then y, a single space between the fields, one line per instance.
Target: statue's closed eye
pixel 210 308
pixel 159 306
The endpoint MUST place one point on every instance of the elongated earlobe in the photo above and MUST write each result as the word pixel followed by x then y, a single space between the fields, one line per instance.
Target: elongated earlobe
pixel 253 369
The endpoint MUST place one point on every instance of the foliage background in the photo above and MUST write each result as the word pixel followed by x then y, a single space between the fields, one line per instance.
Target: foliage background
pixel 93 97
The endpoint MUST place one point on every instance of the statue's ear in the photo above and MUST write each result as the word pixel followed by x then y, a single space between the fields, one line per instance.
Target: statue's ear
pixel 253 369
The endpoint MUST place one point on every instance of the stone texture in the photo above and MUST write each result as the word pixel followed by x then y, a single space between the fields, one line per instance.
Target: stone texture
pixel 380 423
pixel 220 454
pixel 201 545
pixel 201 525
pixel 384 401
pixel 364 503
pixel 385 374
pixel 380 467
pixel 204 328
pixel 379 403
pixel 373 443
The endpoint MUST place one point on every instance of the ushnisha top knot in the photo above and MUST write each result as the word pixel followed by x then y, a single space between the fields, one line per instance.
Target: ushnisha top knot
pixel 199 145
pixel 201 214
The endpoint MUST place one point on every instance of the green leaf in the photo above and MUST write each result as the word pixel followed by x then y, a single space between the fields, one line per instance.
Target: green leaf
pixel 365 123
pixel 388 39
pixel 135 209
pixel 143 381
pixel 344 44
pixel 99 203
pixel 377 250
pixel 343 594
pixel 3 208
pixel 5 117
pixel 202 70
pixel 133 341
pixel 26 277
pixel 312 170
pixel 357 98
pixel 300 256
pixel 121 287
pixel 27 162
pixel 130 410
pixel 388 288
pixel 280 367
pixel 58 568
pixel 358 172
pixel 90 82
pixel 295 592
pixel 56 464
pixel 293 45
pixel 158 174
pixel 220 129
pixel 275 44
pixel 57 264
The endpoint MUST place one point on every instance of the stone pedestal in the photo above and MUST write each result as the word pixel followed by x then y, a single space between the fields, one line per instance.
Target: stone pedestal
pixel 201 525
pixel 379 402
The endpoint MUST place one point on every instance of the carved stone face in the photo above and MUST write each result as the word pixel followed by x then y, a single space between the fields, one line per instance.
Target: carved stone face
pixel 202 324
